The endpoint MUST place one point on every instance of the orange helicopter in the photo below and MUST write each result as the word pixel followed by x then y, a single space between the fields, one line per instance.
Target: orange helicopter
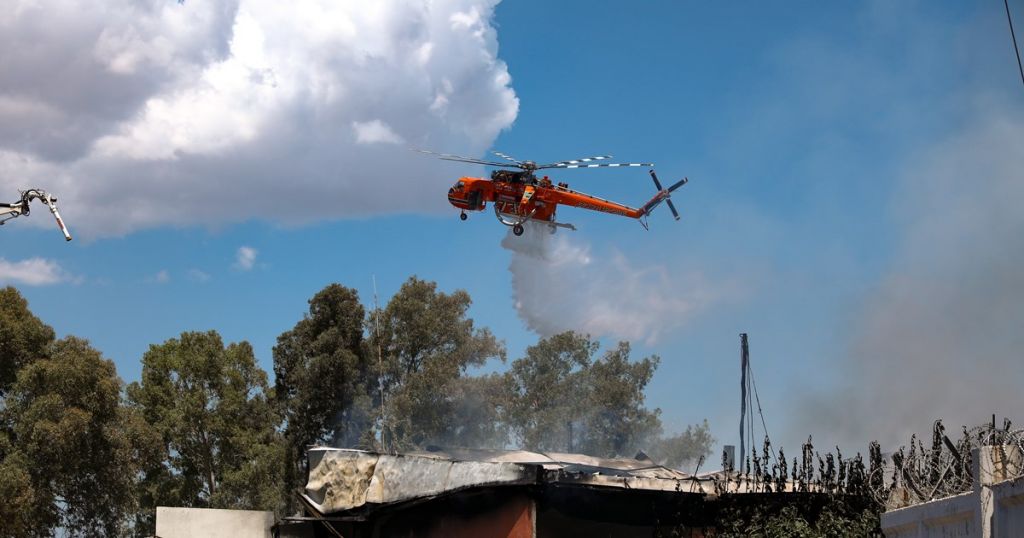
pixel 519 196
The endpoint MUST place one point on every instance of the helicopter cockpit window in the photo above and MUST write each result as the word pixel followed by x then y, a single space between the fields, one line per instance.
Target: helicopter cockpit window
pixel 458 186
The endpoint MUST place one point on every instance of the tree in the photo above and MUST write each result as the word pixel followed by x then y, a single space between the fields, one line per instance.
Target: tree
pixel 23 337
pixel 426 345
pixel 19 497
pixel 74 444
pixel 321 378
pixel 685 448
pixel 23 340
pixel 547 391
pixel 615 421
pixel 560 398
pixel 211 407
pixel 475 419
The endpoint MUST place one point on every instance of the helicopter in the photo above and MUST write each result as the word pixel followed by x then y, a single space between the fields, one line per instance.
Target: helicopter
pixel 21 208
pixel 520 196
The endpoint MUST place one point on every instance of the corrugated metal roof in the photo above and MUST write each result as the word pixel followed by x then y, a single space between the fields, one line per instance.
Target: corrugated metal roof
pixel 344 479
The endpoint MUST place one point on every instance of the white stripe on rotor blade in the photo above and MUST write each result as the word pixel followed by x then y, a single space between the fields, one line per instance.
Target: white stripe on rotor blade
pixel 613 165
pixel 502 155
pixel 587 160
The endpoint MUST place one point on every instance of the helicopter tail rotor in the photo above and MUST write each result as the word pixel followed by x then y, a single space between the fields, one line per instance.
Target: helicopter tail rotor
pixel 664 195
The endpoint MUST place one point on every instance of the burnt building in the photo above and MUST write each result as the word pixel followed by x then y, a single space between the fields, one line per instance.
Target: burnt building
pixel 497 493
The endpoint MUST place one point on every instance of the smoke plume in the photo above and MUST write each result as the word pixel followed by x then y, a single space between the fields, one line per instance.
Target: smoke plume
pixel 941 335
pixel 559 286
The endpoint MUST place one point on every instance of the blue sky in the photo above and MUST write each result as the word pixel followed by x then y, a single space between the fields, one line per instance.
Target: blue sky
pixel 821 217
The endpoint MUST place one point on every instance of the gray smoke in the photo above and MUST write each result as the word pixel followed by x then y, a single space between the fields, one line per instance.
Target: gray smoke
pixel 559 286
pixel 942 334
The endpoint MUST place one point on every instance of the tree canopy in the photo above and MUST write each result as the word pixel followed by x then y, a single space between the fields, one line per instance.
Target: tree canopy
pixel 685 448
pixel 560 398
pixel 546 391
pixel 321 372
pixel 427 343
pixel 23 337
pixel 321 380
pixel 210 405
pixel 79 450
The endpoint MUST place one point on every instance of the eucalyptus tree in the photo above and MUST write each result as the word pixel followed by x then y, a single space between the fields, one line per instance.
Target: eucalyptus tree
pixel 74 445
pixel 559 397
pixel 211 406
pixel 425 344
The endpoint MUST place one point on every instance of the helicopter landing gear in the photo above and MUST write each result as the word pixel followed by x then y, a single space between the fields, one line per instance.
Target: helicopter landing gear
pixel 463 216
pixel 518 229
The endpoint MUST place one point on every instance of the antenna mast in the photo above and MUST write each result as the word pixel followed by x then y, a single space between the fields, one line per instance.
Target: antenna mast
pixel 747 387
pixel 744 385
pixel 380 364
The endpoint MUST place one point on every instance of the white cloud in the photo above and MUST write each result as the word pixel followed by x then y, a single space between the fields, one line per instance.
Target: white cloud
pixel 161 277
pixel 131 106
pixel 371 132
pixel 559 287
pixel 33 272
pixel 245 258
pixel 196 275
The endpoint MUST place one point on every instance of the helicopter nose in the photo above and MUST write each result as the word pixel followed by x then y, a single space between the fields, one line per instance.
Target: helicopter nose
pixel 455 199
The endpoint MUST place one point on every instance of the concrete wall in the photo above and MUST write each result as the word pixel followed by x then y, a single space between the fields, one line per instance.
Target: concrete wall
pixel 952 516
pixel 1008 509
pixel 994 509
pixel 210 523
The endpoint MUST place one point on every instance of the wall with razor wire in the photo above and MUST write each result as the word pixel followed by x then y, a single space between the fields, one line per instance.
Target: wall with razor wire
pixel 972 487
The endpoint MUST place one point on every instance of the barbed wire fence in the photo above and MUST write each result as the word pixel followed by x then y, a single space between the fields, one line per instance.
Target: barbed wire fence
pixel 921 474
pixel 908 476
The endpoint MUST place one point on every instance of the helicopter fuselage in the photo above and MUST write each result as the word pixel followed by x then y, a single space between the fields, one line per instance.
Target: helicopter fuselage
pixel 518 199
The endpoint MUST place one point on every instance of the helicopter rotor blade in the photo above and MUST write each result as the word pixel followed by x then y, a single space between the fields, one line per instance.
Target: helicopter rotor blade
pixel 428 152
pixel 656 182
pixel 529 165
pixel 578 161
pixel 672 208
pixel 459 158
pixel 507 157
pixel 478 161
pixel 603 165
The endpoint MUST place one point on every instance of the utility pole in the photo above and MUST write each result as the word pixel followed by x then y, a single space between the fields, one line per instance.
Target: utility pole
pixel 748 388
pixel 744 368
pixel 380 367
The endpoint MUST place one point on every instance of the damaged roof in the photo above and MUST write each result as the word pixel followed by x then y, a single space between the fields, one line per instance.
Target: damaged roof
pixel 343 480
